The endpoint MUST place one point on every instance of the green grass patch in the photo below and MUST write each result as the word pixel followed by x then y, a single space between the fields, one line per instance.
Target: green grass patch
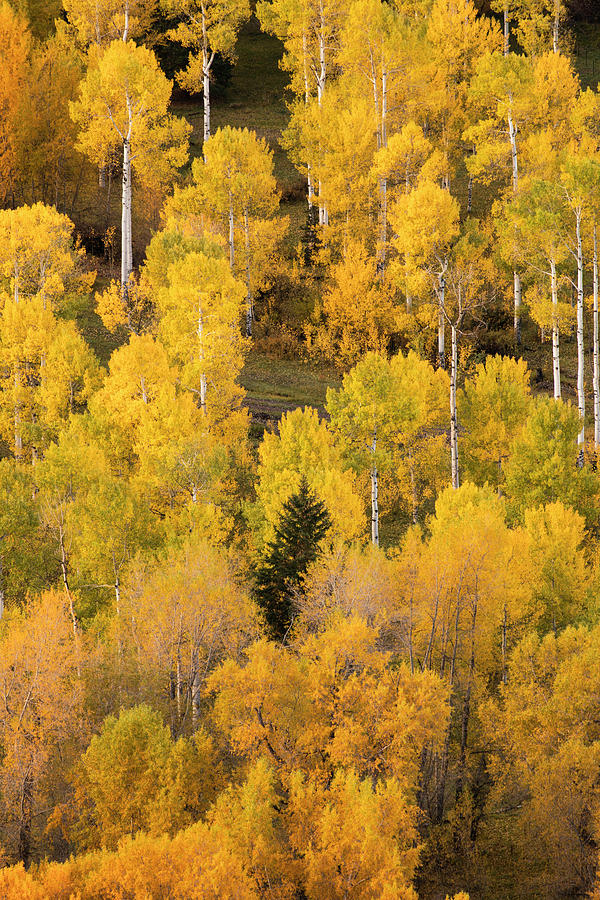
pixel 287 383
pixel 586 53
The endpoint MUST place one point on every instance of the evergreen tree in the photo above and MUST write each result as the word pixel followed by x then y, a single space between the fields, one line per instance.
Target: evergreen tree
pixel 303 523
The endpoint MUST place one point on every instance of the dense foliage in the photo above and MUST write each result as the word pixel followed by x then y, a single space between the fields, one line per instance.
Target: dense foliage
pixel 351 653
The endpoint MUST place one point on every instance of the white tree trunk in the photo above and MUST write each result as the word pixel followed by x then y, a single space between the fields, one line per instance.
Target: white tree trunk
pixel 248 284
pixel 200 333
pixel 517 293
pixel 580 347
pixel 206 95
pixel 512 133
pixel 442 324
pixel 555 29
pixel 126 238
pixel 453 413
pixel 596 348
pixel 374 501
pixel 555 332
pixel 18 434
pixel 231 234
pixel 506 30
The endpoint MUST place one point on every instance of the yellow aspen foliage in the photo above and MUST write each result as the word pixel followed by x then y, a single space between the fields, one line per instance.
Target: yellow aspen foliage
pixel 204 616
pixel 17 884
pixel 543 736
pixel 206 27
pixel 358 310
pixel 541 468
pixel 125 96
pixel 136 777
pixel 305 447
pixel 38 256
pixel 102 21
pixel 361 581
pixel 199 325
pixel 15 43
pixel 493 408
pixel 329 701
pixel 353 837
pixel 70 377
pixel 191 866
pixel 561 581
pixel 41 713
pixel 233 197
pixel 246 821
pixel 47 162
pixel 139 377
pixel 339 136
pixel 404 155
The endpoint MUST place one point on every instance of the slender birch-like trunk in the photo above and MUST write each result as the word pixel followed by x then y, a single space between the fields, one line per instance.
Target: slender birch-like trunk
pixel 231 233
pixel 580 347
pixel 555 332
pixel 126 238
pixel 506 30
pixel 374 496
pixel 200 333
pixel 126 23
pixel 17 417
pixel 207 61
pixel 555 30
pixel 311 195
pixel 512 133
pixel 596 348
pixel 249 310
pixel 206 94
pixel 321 78
pixel 383 184
pixel 442 324
pixel 453 413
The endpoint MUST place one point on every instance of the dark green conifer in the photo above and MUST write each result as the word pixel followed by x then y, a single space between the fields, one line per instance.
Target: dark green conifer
pixel 303 524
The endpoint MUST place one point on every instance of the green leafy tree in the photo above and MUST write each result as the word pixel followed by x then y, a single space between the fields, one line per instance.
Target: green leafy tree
pixel 542 466
pixel 303 524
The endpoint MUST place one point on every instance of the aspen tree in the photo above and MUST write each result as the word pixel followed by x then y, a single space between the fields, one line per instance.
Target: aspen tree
pixel 205 617
pixel 310 30
pixel 366 412
pixel 371 47
pixel 69 466
pixel 466 283
pixel 15 45
pixel 304 447
pixel 101 21
pixel 493 407
pixel 426 223
pixel 208 27
pixel 502 86
pixel 536 221
pixel 576 175
pixel 123 104
pixel 234 190
pixel 540 23
pixel 508 9
pixel 340 133
pixel 48 164
pixel 199 324
pixel 41 721
pixel 458 37
pixel 542 465
pixel 39 270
